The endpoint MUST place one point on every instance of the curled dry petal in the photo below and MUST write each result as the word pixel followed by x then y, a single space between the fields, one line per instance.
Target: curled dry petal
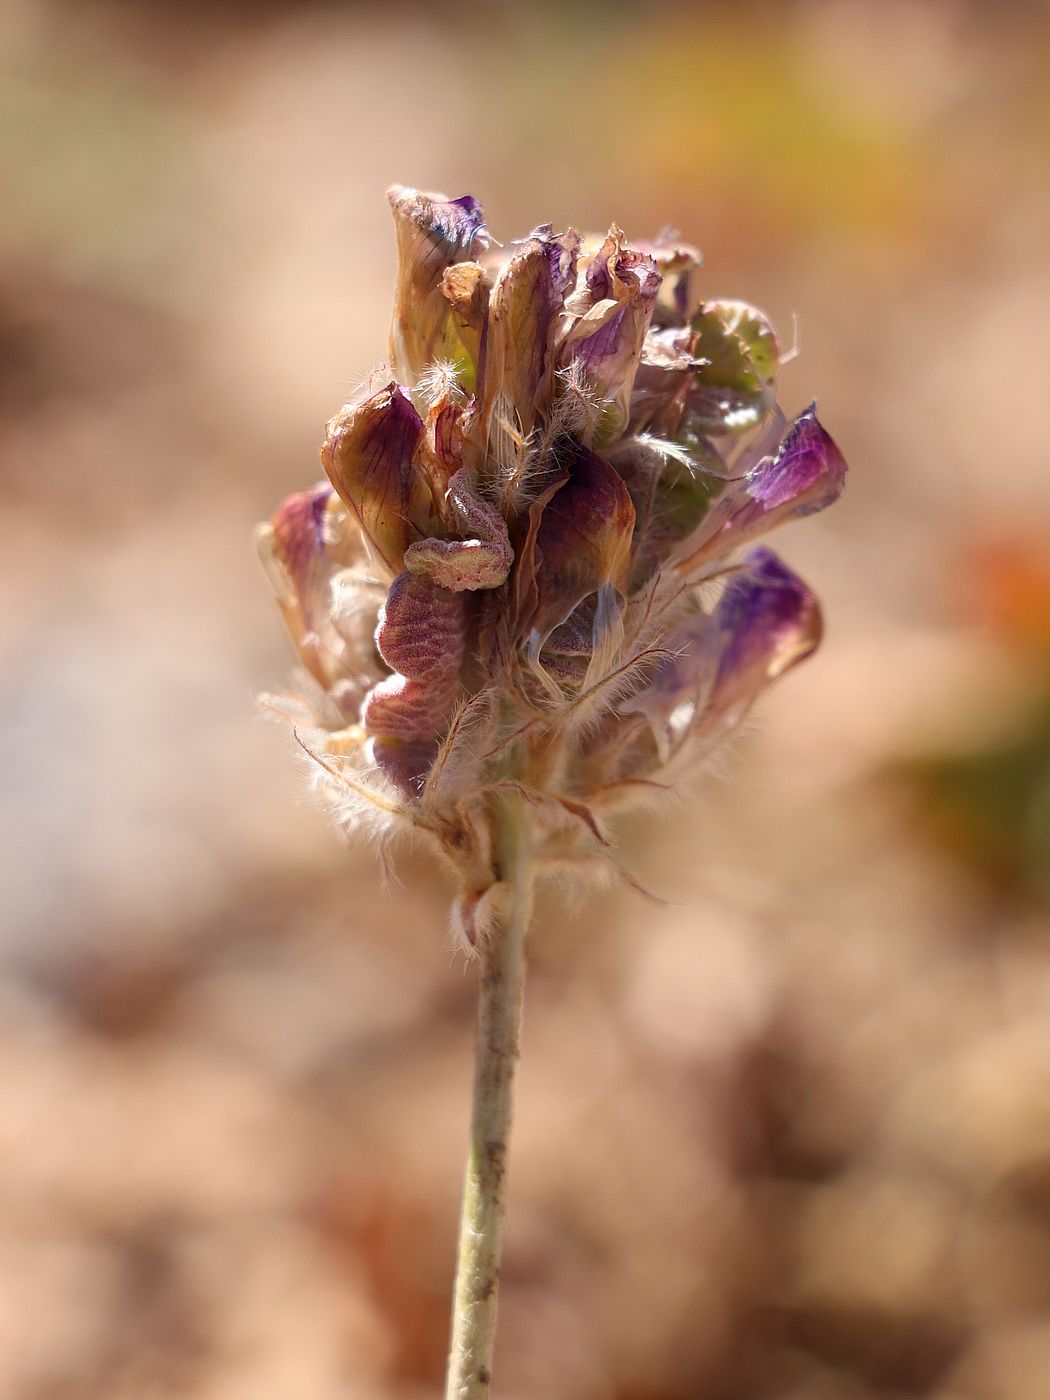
pixel 677 263
pixel 369 453
pixel 444 433
pixel 433 233
pixel 607 321
pixel 465 287
pixel 807 473
pixel 665 381
pixel 482 560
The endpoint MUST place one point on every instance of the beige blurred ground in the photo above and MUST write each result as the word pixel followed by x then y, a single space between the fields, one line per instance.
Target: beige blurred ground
pixel 788 1139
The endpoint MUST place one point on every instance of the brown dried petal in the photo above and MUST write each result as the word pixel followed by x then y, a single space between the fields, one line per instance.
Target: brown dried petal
pixel 527 300
pixel 433 233
pixel 369 455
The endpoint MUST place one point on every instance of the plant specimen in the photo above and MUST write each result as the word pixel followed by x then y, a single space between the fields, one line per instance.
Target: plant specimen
pixel 527 594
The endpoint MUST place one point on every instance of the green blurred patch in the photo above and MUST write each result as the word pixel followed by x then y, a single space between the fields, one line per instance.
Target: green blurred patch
pixel 990 808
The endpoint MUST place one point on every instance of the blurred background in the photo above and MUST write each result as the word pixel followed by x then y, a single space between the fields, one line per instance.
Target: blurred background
pixel 786 1139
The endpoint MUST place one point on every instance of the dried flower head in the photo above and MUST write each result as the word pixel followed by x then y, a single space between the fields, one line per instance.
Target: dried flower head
pixel 527 568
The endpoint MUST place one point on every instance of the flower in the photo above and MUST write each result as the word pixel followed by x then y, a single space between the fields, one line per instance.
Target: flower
pixel 525 570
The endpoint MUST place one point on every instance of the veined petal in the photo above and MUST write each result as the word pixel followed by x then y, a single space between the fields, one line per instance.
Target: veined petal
pixel 433 233
pixel 421 636
pixel 768 620
pixel 583 542
pixel 527 300
pixel 807 473
pixel 368 454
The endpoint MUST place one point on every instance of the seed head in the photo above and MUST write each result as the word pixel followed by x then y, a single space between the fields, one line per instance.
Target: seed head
pixel 526 568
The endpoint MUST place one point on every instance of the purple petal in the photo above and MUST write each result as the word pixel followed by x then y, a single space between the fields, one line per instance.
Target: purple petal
pixel 295 551
pixel 768 620
pixel 807 473
pixel 298 533
pixel 612 311
pixel 421 636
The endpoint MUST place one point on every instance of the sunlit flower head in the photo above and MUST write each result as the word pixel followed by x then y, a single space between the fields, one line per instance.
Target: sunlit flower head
pixel 532 564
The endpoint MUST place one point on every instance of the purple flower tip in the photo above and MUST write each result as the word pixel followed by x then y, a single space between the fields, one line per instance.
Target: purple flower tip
pixel 769 621
pixel 807 473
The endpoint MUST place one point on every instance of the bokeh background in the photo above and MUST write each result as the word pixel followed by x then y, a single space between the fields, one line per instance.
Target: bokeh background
pixel 786 1139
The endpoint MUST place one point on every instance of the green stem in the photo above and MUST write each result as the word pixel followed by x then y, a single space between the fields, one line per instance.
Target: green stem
pixel 500 990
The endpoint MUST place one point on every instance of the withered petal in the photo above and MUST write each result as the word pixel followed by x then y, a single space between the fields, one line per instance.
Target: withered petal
pixel 482 560
pixel 369 453
pixel 606 323
pixel 527 300
pixel 294 548
pixel 433 233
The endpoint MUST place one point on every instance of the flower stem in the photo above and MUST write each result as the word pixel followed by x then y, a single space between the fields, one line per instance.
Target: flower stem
pixel 500 990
